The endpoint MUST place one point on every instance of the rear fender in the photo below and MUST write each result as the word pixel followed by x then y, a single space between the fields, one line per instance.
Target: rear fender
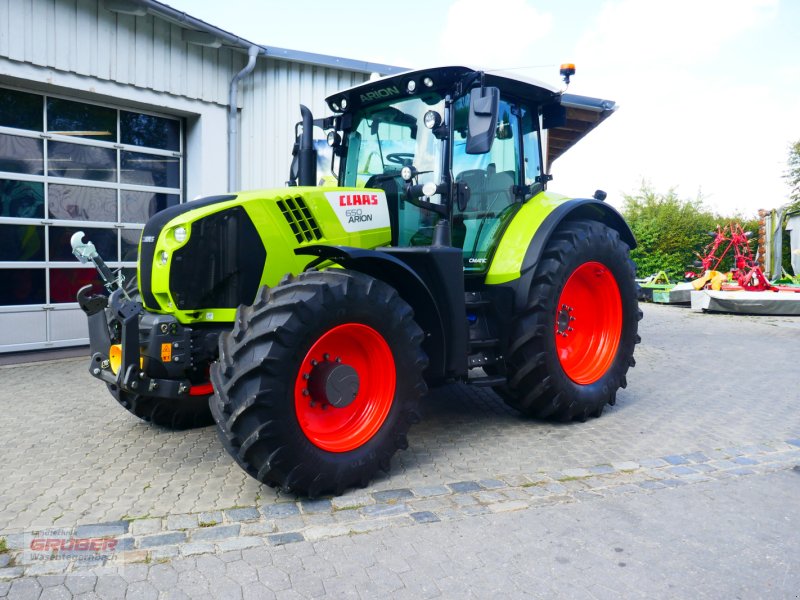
pixel 408 284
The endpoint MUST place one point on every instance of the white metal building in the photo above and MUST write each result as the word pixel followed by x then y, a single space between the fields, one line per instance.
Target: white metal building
pixel 113 109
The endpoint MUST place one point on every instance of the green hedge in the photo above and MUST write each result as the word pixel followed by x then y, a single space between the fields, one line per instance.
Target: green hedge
pixel 670 229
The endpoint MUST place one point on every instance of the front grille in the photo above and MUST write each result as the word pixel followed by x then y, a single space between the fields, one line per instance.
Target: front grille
pixel 220 266
pixel 303 224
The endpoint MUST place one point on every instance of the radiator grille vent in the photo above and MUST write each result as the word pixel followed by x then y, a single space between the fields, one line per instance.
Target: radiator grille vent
pixel 303 224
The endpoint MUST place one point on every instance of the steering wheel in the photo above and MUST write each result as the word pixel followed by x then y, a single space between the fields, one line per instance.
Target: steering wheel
pixel 400 158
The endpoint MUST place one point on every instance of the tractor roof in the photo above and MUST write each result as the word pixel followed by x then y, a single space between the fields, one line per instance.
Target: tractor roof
pixel 572 116
pixel 517 85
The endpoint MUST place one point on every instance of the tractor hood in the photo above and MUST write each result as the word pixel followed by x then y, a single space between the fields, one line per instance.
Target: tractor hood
pixel 570 119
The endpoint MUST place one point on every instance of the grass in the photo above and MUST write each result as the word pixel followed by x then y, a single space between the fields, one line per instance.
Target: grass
pixel 353 507
pixel 353 532
pixel 573 478
pixel 528 484
pixel 139 517
pixel 208 523
pixel 3 545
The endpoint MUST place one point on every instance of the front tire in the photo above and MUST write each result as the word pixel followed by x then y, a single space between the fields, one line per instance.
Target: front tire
pixel 319 381
pixel 173 413
pixel 573 342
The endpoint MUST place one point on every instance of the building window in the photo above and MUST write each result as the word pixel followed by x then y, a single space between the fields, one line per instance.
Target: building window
pixel 68 166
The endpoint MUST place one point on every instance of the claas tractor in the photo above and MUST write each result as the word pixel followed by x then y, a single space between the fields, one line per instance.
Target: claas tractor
pixel 308 321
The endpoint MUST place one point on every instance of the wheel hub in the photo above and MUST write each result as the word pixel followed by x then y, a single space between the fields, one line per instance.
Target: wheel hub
pixel 564 320
pixel 333 383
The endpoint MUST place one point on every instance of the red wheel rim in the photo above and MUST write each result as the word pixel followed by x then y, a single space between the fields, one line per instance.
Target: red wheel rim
pixel 588 323
pixel 349 427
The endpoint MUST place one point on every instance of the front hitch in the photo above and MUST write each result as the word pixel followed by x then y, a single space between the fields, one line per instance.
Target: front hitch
pixel 122 364
pixel 85 252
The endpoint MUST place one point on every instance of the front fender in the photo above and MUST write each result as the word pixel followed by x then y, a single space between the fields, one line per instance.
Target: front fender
pixel 408 284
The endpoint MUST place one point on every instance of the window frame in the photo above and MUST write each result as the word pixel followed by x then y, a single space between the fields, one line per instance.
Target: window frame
pixel 45 179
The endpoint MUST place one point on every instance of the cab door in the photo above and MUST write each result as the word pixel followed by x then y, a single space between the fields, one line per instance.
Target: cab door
pixel 499 181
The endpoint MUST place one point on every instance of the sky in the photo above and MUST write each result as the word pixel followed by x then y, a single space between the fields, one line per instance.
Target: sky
pixel 708 90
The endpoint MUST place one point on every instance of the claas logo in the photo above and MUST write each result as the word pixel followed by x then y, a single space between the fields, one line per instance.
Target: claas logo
pixel 358 199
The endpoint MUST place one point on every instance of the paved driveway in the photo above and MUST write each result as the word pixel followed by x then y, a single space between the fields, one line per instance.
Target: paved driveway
pixel 712 397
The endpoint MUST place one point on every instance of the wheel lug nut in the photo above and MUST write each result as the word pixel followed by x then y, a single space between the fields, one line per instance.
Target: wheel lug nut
pixel 306 392
pixel 314 362
pixel 326 356
pixel 572 318
pixel 338 359
pixel 306 376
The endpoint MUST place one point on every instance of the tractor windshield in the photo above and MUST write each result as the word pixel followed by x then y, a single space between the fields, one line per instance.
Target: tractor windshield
pixel 383 140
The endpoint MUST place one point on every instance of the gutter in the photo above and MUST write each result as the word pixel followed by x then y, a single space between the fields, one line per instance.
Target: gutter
pixel 233 118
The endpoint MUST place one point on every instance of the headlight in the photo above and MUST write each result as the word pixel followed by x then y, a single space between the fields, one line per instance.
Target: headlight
pixel 334 139
pixel 428 82
pixel 164 257
pixel 411 86
pixel 180 234
pixel 429 189
pixel 432 119
pixel 406 173
pixel 343 103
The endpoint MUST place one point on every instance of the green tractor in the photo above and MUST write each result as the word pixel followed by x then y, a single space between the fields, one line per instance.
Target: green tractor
pixel 308 321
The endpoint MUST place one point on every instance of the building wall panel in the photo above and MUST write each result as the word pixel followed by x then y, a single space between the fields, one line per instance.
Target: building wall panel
pixel 82 37
pixel 271 99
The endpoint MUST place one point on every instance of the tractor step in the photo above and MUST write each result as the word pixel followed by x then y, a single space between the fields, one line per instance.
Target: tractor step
pixel 485 343
pixel 486 381
pixel 477 303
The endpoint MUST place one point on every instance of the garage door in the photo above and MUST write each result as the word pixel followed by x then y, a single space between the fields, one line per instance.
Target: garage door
pixel 65 166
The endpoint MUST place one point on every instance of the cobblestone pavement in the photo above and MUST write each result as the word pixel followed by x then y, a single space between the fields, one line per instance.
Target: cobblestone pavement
pixel 711 403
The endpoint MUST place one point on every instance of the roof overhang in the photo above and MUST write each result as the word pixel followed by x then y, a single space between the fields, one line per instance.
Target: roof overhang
pixel 571 119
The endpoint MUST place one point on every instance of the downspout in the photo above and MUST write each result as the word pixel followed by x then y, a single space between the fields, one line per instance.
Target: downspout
pixel 233 121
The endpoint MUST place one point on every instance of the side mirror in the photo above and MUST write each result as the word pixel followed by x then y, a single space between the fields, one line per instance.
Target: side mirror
pixel 483 108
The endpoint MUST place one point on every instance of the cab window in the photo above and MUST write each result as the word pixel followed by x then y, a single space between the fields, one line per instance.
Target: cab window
pixel 491 179
pixel 530 141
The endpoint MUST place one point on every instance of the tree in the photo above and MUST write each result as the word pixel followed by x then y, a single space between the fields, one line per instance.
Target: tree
pixel 793 174
pixel 670 229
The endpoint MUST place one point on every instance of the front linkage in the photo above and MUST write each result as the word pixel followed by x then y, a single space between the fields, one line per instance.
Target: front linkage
pixel 145 359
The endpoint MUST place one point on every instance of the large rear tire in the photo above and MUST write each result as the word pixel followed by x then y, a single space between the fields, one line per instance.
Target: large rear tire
pixel 318 383
pixel 572 343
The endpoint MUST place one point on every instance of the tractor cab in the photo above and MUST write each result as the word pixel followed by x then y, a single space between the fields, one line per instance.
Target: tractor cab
pixel 454 148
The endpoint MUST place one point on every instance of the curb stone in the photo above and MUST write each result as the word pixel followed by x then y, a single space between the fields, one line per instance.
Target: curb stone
pixel 159 539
